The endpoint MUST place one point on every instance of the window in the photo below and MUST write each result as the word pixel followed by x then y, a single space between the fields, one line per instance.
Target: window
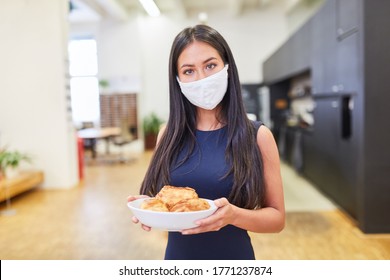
pixel 84 85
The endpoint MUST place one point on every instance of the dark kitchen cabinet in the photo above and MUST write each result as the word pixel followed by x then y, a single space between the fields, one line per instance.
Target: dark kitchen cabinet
pixel 323 52
pixel 346 153
pixel 348 19
pixel 292 58
pixel 324 146
pixel 348 66
pixel 334 57
pixel 347 16
pixel 250 96
pixel 328 155
pixel 299 50
pixel 277 65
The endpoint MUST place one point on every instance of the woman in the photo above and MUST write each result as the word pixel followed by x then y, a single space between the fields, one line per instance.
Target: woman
pixel 209 144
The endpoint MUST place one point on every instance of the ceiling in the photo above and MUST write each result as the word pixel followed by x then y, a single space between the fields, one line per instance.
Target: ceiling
pixel 124 9
pixel 191 7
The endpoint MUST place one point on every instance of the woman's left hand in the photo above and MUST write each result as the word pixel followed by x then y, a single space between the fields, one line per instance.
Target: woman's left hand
pixel 223 216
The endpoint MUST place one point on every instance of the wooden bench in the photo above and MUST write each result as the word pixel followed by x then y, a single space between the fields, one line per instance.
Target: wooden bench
pixel 24 181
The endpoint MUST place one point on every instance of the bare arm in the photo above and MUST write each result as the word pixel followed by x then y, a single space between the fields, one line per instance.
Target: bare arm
pixel 271 217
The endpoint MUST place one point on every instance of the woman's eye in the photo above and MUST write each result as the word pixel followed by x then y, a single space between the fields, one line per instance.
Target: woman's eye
pixel 211 66
pixel 188 72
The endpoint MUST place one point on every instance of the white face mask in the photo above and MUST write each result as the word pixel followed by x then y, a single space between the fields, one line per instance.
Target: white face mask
pixel 206 93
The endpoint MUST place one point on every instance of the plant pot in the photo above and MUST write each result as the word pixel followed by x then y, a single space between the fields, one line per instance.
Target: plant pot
pixel 150 141
pixel 11 172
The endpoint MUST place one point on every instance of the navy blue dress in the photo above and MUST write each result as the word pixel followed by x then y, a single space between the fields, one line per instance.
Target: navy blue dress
pixel 203 171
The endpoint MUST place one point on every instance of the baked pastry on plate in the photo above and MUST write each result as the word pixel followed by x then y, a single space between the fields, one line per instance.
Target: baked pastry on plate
pixel 171 195
pixel 188 205
pixel 154 204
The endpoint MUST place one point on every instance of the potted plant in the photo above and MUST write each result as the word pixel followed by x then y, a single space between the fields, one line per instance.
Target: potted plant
pixel 151 126
pixel 10 162
pixel 104 86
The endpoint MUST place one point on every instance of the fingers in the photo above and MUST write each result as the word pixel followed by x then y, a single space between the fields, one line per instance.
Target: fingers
pixel 131 198
pixel 202 228
pixel 220 202
pixel 214 222
pixel 135 220
pixel 146 228
pixel 134 197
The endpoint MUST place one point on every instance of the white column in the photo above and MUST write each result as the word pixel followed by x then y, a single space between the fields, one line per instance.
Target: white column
pixel 34 116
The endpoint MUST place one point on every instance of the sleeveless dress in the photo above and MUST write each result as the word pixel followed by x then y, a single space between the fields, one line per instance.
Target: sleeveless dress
pixel 203 171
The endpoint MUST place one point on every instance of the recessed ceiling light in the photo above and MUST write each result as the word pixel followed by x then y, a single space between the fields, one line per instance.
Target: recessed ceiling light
pixel 150 7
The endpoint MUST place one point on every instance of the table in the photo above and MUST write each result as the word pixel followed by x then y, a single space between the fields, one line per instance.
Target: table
pixel 99 133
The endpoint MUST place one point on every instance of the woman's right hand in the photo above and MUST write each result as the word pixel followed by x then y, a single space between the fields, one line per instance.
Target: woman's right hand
pixel 134 219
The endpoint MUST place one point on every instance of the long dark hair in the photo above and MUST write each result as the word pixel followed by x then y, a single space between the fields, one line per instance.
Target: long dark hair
pixel 242 150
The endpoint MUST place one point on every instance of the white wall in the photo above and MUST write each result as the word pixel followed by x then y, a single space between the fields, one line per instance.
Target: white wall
pixel 33 104
pixel 300 12
pixel 253 37
pixel 139 48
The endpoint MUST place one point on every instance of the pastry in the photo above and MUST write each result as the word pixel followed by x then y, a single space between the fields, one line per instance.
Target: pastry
pixel 188 205
pixel 175 199
pixel 171 195
pixel 154 204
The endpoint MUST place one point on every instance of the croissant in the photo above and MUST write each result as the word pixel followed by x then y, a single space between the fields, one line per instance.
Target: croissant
pixel 187 205
pixel 171 195
pixel 175 199
pixel 154 204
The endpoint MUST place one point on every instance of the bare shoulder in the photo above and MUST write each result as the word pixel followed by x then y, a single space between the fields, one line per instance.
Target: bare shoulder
pixel 162 128
pixel 264 134
pixel 266 142
pixel 161 132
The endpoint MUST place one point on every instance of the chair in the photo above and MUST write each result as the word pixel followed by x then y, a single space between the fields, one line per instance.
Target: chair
pixel 125 138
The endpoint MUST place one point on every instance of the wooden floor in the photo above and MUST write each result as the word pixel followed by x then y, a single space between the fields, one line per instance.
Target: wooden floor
pixel 92 222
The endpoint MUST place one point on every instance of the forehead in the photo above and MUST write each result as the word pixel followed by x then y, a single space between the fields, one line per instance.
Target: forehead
pixel 197 52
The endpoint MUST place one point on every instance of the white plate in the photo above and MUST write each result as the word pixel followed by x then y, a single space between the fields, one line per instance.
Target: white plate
pixel 169 221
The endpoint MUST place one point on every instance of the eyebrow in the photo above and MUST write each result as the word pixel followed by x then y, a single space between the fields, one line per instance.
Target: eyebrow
pixel 204 62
